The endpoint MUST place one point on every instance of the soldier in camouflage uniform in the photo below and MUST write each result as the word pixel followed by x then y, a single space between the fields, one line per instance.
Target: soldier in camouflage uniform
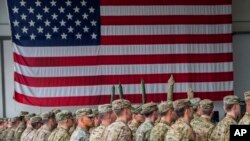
pixel 73 128
pixel 106 116
pixel 5 131
pixel 11 131
pixel 85 118
pixel 137 120
pixel 36 123
pixel 21 127
pixel 203 126
pixel 49 121
pixel 2 127
pixel 166 112
pixel 65 121
pixel 232 108
pixel 246 118
pixel 119 130
pixel 28 128
pixel 150 111
pixel 195 104
pixel 181 130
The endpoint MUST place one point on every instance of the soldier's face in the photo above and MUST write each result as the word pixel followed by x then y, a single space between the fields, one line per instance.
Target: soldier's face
pixel 237 110
pixel 155 115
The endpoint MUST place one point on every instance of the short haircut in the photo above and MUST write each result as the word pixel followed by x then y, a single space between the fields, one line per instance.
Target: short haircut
pixel 207 112
pixel 104 115
pixel 180 111
pixel 228 107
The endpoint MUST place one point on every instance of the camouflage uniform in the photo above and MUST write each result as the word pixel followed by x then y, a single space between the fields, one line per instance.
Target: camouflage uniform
pixel 25 133
pixel 245 120
pixel 203 126
pixel 160 129
pixel 10 134
pixel 97 133
pixel 18 132
pixel 143 132
pixel 61 134
pixel 119 130
pixel 80 134
pixel 222 131
pixel 30 135
pixel 133 127
pixel 3 135
pixel 181 130
pixel 42 134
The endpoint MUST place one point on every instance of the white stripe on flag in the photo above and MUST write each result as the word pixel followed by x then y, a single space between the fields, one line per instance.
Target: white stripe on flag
pixel 123 69
pixel 165 10
pixel 128 89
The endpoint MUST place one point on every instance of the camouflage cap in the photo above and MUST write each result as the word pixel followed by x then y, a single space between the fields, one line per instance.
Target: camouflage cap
pixel 136 109
pixel 231 99
pixel 149 107
pixel 55 111
pixel 247 95
pixel 84 112
pixel 195 102
pixel 120 104
pixel 206 104
pixel 23 113
pixel 47 115
pixel 14 119
pixel 35 119
pixel 165 106
pixel 27 117
pixel 105 108
pixel 95 111
pixel 181 103
pixel 63 115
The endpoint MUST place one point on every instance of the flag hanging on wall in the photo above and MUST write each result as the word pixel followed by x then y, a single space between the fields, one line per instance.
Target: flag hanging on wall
pixel 70 52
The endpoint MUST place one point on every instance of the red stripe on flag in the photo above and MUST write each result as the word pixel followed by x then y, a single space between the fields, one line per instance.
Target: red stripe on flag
pixel 166 39
pixel 96 100
pixel 161 20
pixel 122 59
pixel 165 2
pixel 124 79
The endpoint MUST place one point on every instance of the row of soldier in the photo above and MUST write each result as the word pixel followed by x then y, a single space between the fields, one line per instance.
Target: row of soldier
pixel 180 120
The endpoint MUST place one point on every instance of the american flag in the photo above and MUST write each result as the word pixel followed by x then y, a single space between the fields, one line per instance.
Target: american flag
pixel 71 52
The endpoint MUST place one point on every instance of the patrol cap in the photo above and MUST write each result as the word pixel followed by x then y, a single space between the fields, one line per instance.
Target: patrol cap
pixel 47 115
pixel 206 104
pixel 23 113
pixel 149 107
pixel 120 104
pixel 163 107
pixel 231 99
pixel 27 117
pixel 247 95
pixel 63 115
pixel 95 111
pixel 195 102
pixel 55 111
pixel 14 119
pixel 35 119
pixel 84 112
pixel 105 108
pixel 136 109
pixel 181 103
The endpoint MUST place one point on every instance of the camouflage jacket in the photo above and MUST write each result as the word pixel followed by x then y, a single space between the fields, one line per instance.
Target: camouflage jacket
pixel 42 134
pixel 3 133
pixel 159 130
pixel 59 134
pixel 30 136
pixel 202 127
pixel 117 131
pixel 25 133
pixel 133 127
pixel 97 133
pixel 18 132
pixel 180 131
pixel 143 132
pixel 221 132
pixel 245 120
pixel 80 134
pixel 10 134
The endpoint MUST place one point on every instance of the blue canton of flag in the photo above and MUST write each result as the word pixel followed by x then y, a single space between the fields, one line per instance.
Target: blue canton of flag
pixel 55 23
